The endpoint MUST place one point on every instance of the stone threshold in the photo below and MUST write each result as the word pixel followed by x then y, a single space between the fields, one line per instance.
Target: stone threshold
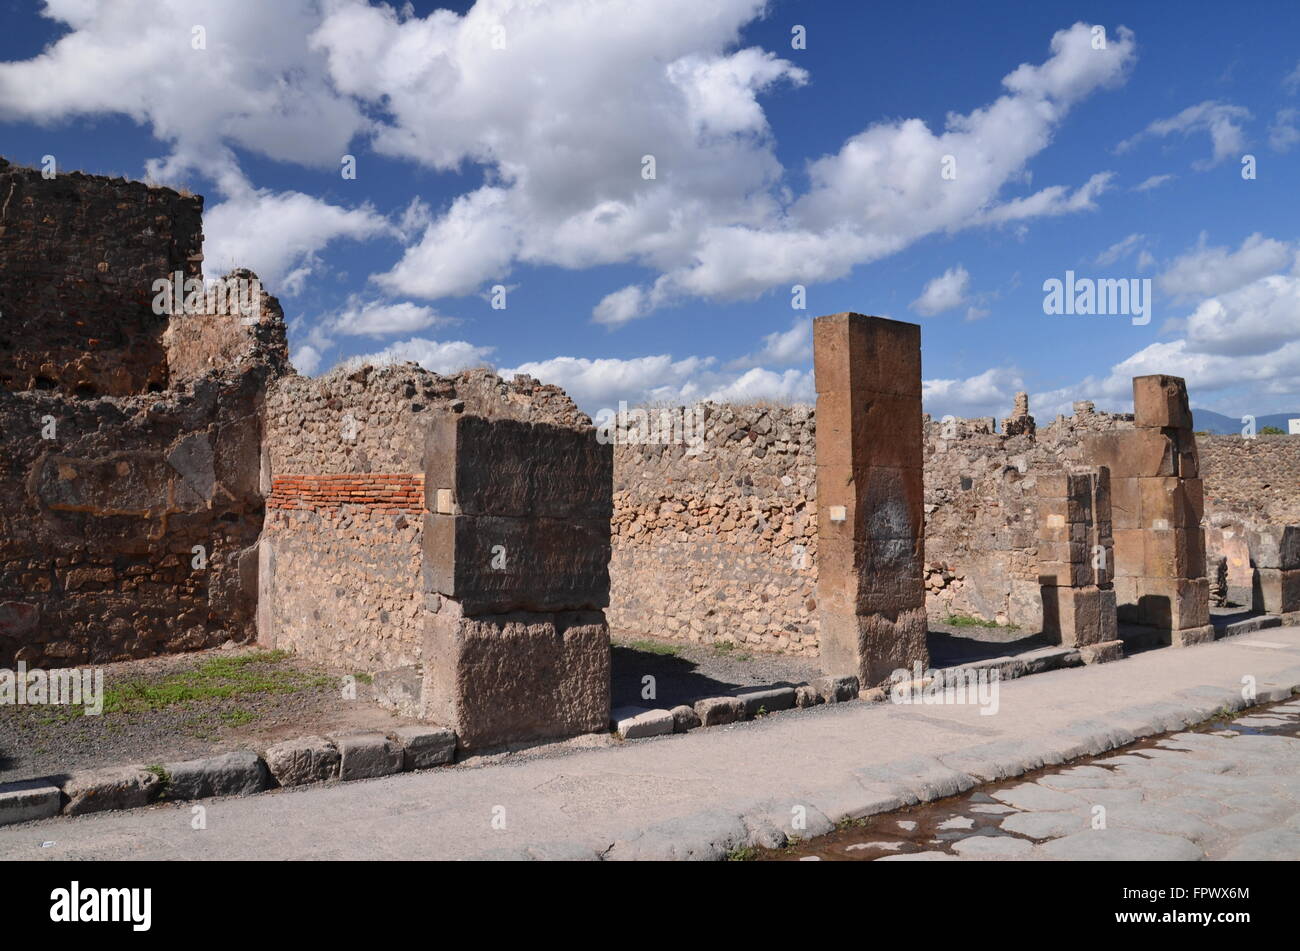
pixel 299 762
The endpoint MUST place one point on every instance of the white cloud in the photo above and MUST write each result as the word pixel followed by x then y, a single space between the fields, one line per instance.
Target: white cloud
pixel 438 357
pixel 257 84
pixel 945 292
pixel 1241 345
pixel 782 348
pixel 1283 134
pixel 1291 82
pixel 1223 121
pixel 278 234
pixel 1206 271
pixel 990 393
pixel 379 319
pixel 1120 249
pixel 1155 181
pixel 306 359
pixel 594 384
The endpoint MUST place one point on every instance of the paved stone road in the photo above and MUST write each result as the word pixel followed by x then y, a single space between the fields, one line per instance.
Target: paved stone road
pixel 708 792
pixel 1229 793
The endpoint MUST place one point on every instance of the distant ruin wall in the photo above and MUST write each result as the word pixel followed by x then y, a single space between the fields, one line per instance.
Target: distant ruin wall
pixel 715 538
pixel 1258 478
pixel 343 462
pixel 78 258
pixel 128 527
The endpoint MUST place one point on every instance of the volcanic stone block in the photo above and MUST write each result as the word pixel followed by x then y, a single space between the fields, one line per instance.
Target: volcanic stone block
pixel 1052 574
pixel 510 467
pixel 879 643
pixel 112 787
pixel 495 565
pixel 307 759
pixel 1174 553
pixel 1171 503
pixel 870 593
pixel 514 677
pixel 230 774
pixel 1275 546
pixel 1276 590
pixel 368 755
pixel 1073 615
pixel 1161 401
pixel 28 799
pixel 1173 603
pixel 424 747
pixel 1136 453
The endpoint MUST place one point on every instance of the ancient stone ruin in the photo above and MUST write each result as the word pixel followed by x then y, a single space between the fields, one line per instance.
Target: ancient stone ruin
pixel 170 484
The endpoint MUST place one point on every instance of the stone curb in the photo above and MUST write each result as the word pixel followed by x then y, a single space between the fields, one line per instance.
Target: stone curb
pixel 303 761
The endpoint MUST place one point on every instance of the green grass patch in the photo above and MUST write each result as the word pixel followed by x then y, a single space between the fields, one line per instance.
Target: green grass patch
pixel 742 853
pixel 966 620
pixel 215 679
pixel 238 717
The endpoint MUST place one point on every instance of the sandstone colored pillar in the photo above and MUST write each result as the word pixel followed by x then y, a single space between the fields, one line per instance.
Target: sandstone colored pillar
pixel 1158 500
pixel 1075 552
pixel 1275 554
pixel 516 568
pixel 870 518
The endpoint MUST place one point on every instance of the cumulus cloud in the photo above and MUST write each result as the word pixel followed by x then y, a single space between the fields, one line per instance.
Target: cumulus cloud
pixel 1243 341
pixel 990 393
pixel 565 160
pixel 1222 120
pixel 374 318
pixel 279 234
pixel 1206 271
pixel 943 293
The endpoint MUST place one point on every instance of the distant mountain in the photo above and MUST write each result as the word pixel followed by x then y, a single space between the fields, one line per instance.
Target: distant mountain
pixel 1208 421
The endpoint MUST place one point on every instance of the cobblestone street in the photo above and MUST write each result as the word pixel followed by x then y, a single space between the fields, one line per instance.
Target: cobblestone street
pixel 1230 791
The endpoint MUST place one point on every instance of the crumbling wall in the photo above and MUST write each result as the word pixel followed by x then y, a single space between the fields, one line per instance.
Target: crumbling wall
pixel 128 525
pixel 1257 479
pixel 79 255
pixel 343 464
pixel 715 534
pixel 981 541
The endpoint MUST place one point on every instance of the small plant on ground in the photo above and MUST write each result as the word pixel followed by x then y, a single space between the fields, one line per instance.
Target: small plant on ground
pixel 652 647
pixel 967 620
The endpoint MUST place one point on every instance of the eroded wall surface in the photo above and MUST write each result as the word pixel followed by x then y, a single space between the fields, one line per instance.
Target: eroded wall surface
pixel 128 525
pixel 78 258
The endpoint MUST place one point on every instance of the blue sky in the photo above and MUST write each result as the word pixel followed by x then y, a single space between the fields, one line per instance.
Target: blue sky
pixel 521 167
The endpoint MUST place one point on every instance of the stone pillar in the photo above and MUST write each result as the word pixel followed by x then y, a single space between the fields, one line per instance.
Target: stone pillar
pixel 1158 500
pixel 1075 552
pixel 870 518
pixel 1275 555
pixel 516 569
pixel 1019 423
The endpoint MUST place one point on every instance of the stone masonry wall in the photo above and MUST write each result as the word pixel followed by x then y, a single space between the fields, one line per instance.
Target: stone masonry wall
pixel 103 503
pixel 707 545
pixel 343 462
pixel 1258 479
pixel 78 258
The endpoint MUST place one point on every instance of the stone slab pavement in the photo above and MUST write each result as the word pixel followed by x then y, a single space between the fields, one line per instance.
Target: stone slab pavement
pixel 702 794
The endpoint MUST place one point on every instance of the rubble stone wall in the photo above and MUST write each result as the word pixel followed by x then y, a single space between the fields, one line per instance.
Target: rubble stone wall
pixel 1258 479
pixel 80 256
pixel 716 539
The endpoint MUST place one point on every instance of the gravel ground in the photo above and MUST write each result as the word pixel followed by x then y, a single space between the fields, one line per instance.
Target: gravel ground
pixel 303 699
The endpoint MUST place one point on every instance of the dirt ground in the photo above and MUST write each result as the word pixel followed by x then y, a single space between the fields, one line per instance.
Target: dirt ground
pixel 186 706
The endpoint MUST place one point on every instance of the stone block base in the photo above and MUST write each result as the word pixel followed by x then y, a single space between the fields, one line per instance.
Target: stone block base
pixel 1102 653
pixel 1079 616
pixel 1192 635
pixel 509 678
pixel 878 645
pixel 1276 590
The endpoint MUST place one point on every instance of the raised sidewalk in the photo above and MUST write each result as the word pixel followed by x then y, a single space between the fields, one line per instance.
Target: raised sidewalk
pixel 704 793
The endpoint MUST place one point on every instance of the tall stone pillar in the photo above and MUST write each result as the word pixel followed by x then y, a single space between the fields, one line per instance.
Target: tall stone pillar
pixel 1158 500
pixel 516 569
pixel 1075 552
pixel 870 515
pixel 1275 557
